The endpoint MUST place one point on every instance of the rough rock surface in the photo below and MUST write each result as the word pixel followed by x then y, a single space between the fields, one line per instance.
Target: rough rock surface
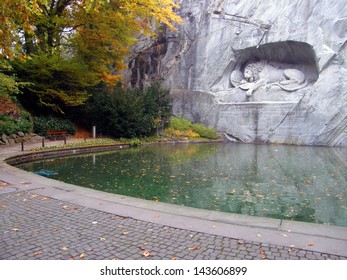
pixel 204 64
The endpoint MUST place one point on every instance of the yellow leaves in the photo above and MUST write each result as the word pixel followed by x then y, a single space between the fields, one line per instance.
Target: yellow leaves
pixel 161 11
pixel 72 208
pixel 194 248
pixel 110 79
pixel 3 184
pixel 147 254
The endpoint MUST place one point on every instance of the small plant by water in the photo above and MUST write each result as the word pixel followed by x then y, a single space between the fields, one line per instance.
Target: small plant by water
pixel 180 127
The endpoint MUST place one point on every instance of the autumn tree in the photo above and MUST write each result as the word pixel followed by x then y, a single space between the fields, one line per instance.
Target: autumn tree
pixel 65 46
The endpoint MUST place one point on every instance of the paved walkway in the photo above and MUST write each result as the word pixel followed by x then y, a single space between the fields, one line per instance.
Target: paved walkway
pixel 45 219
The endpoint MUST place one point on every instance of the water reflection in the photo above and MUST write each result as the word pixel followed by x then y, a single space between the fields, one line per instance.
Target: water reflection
pixel 289 182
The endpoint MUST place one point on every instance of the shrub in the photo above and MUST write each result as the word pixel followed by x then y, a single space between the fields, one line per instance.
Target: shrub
pixel 180 127
pixel 44 123
pixel 204 131
pixel 180 124
pixel 128 113
pixel 10 125
pixel 134 142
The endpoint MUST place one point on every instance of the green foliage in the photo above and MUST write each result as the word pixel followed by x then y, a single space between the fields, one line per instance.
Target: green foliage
pixel 133 142
pixel 128 113
pixel 10 125
pixel 42 124
pixel 180 124
pixel 180 127
pixel 9 87
pixel 52 82
pixel 204 131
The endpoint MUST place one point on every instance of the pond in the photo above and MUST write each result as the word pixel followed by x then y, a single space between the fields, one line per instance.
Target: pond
pixel 285 182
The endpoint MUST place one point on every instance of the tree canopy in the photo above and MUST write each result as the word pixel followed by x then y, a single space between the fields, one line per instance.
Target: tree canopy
pixel 64 46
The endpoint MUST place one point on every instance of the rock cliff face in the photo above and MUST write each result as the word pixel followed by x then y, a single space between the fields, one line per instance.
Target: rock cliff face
pixel 264 71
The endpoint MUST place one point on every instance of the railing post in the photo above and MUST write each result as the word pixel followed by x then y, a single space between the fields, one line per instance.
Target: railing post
pixel 43 142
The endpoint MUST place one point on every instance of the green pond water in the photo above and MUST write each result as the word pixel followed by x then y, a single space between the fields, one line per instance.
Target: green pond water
pixel 286 182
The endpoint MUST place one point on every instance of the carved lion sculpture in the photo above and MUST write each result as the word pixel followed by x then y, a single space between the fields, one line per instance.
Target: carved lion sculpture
pixel 263 74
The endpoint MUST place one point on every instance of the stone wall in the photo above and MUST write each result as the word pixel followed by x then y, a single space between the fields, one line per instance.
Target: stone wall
pixel 18 137
pixel 297 92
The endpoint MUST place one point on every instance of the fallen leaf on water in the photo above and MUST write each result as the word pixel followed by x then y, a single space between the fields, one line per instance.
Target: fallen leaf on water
pixel 82 256
pixel 284 235
pixel 262 252
pixel 64 248
pixel 16 229
pixel 37 253
pixel 147 254
pixel 94 223
pixel 259 235
pixel 102 238
pixel 3 206
pixel 173 258
pixel 240 242
pixel 310 244
pixel 193 248
pixel 125 233
pixel 45 198
pixel 142 248
pixel 35 195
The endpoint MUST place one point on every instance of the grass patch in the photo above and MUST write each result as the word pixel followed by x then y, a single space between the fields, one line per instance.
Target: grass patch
pixel 81 144
pixel 183 128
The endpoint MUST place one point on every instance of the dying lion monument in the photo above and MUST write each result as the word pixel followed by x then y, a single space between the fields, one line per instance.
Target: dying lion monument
pixel 260 74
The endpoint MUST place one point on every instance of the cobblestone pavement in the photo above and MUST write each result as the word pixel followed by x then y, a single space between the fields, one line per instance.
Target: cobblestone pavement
pixel 36 227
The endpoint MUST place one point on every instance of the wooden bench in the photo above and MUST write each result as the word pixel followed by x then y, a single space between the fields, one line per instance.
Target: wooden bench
pixel 56 133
